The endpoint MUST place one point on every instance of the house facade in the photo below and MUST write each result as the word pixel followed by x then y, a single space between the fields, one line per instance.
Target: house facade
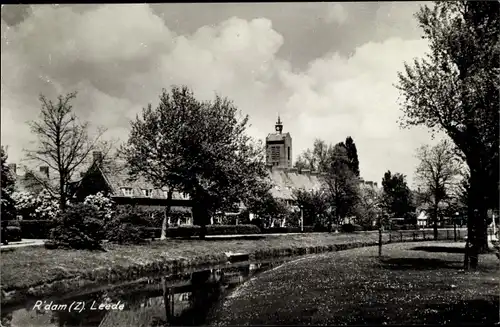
pixel 33 181
pixel 113 180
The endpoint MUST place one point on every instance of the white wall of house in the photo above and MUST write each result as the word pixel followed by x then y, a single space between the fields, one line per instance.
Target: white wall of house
pixel 422 219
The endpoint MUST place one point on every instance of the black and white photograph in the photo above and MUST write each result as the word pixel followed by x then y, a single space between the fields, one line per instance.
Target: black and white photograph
pixel 250 164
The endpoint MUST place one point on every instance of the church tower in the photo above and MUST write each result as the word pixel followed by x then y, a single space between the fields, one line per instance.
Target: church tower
pixel 279 147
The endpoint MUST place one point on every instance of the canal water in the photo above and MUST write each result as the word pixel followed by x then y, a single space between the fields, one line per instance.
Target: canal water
pixel 186 299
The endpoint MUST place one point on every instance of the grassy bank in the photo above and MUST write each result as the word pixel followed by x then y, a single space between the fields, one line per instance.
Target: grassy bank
pixel 414 283
pixel 35 272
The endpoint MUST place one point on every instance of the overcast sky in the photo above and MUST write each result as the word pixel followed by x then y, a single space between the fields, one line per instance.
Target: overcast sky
pixel 327 68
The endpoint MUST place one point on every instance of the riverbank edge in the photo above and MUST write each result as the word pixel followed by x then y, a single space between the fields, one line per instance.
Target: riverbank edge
pixel 97 277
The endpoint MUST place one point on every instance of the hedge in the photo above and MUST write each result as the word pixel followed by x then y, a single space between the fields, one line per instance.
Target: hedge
pixel 36 229
pixel 397 227
pixel 284 230
pixel 191 231
pixel 351 228
pixel 13 234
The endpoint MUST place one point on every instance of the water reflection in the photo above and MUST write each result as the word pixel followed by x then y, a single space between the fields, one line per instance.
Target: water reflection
pixel 180 300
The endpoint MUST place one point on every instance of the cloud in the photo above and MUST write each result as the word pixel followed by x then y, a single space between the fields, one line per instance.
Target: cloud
pixel 336 13
pixel 118 66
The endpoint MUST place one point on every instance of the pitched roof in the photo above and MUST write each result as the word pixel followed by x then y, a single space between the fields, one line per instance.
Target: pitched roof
pixel 277 136
pixel 34 182
pixel 117 177
pixel 286 180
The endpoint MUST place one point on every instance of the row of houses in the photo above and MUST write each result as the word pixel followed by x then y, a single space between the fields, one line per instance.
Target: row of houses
pixel 112 179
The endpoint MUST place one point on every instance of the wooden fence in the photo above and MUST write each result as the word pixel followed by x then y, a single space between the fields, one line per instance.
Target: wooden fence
pixel 424 235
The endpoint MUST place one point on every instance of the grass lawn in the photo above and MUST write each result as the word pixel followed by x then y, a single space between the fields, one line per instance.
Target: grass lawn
pixel 414 283
pixel 32 266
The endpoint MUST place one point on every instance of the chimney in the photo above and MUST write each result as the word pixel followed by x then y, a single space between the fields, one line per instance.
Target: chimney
pixel 45 171
pixel 13 169
pixel 97 156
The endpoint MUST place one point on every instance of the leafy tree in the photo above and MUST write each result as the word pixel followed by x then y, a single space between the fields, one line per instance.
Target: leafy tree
pixel 63 142
pixel 368 206
pixel 455 89
pixel 199 148
pixel 340 183
pixel 301 163
pixel 352 154
pixel 265 207
pixel 315 159
pixel 8 207
pixel 396 197
pixel 315 206
pixel 437 175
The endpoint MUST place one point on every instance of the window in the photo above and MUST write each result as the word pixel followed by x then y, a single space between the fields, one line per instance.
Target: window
pixel 275 152
pixel 147 192
pixel 127 191
pixel 288 153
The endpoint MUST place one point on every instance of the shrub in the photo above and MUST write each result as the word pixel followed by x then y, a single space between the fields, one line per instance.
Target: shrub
pixel 191 231
pixel 47 206
pixel 104 206
pixel 126 227
pixel 284 230
pixel 183 231
pixel 14 223
pixel 150 232
pixel 397 227
pixel 14 233
pixel 25 204
pixel 36 229
pixel 78 228
pixel 320 228
pixel 232 229
pixel 259 222
pixel 351 228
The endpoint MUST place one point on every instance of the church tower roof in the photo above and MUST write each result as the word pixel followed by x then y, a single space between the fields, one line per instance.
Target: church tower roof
pixel 279 125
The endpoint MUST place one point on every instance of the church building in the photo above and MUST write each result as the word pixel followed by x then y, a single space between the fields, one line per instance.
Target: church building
pixel 279 161
pixel 279 147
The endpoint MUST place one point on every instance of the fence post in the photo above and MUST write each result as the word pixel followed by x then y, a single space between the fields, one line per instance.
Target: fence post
pixel 459 237
pixel 413 236
pixel 447 234
pixel 401 236
pixel 423 234
pixel 390 238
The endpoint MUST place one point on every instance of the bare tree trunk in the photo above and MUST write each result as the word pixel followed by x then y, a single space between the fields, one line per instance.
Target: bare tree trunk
pixel 166 216
pixel 435 220
pixel 62 194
